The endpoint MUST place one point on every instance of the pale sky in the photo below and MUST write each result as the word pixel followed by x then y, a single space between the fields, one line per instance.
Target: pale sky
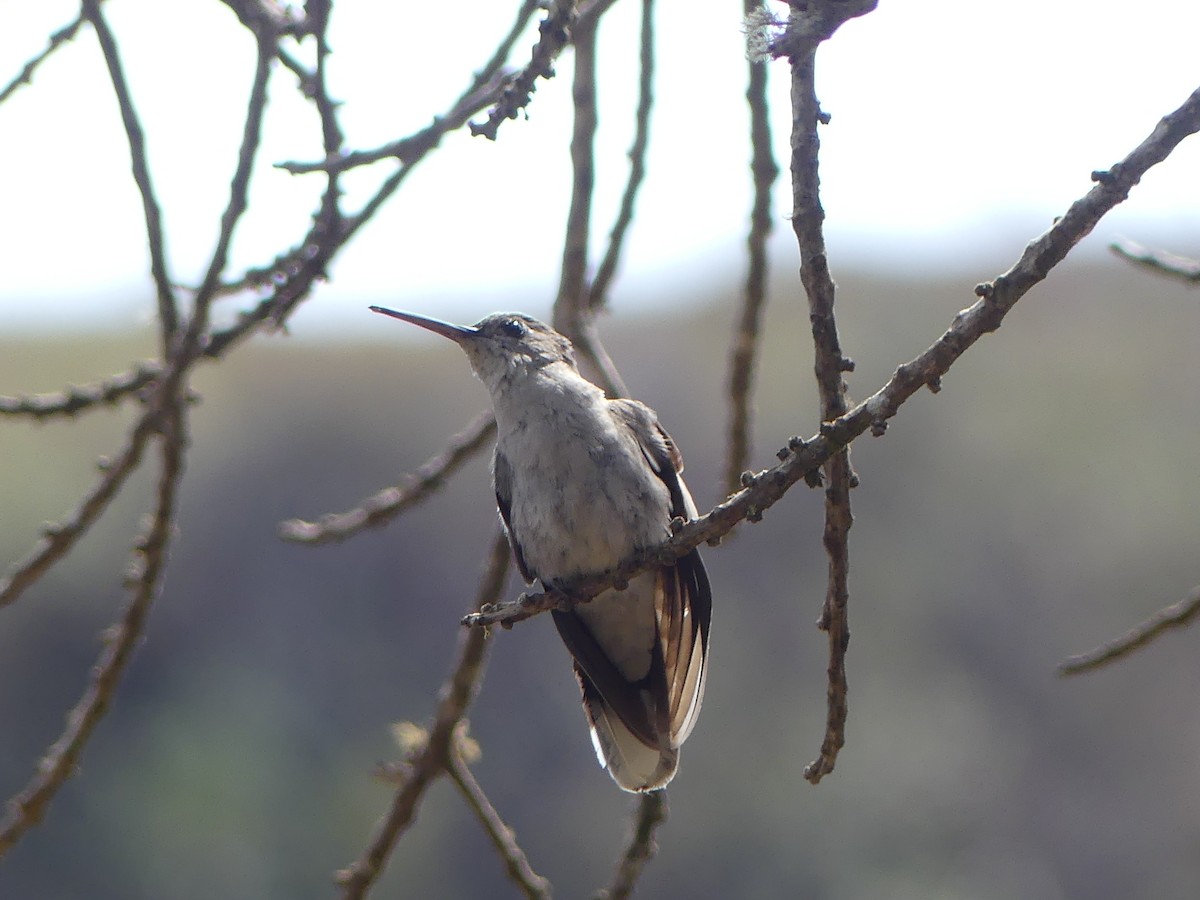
pixel 959 130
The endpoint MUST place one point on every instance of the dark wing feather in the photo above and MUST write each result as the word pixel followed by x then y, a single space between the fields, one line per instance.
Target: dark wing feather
pixel 685 597
pixel 502 480
pixel 603 677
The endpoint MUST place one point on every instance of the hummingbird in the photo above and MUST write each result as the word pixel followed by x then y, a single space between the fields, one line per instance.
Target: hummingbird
pixel 582 483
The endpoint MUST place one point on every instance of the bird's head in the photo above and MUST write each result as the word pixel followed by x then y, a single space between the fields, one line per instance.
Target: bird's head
pixel 500 346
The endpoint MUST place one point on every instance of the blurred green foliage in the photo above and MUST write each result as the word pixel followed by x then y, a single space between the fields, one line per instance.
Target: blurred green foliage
pixel 1043 502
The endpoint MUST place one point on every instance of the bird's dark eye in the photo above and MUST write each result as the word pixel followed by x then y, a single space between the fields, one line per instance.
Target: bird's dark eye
pixel 513 327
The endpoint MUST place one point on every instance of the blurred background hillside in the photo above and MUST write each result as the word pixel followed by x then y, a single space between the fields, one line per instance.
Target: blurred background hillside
pixel 1043 502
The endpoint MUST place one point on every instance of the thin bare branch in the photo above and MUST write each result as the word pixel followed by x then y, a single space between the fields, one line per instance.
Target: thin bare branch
pixel 1177 615
pixel 331 130
pixel 572 314
pixel 238 189
pixel 801 458
pixel 808 218
pixel 384 506
pixel 572 286
pixel 651 812
pixel 57 39
pixel 432 759
pixel 495 65
pixel 408 150
pixel 744 355
pixel 167 308
pixel 305 77
pixel 59 537
pixel 77 399
pixel 295 273
pixel 554 32
pixel 292 275
pixel 61 761
pixel 164 416
pixel 1181 268
pixel 485 89
pixel 607 270
pixel 502 836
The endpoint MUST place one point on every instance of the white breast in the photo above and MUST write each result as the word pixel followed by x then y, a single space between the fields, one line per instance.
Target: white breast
pixel 583 496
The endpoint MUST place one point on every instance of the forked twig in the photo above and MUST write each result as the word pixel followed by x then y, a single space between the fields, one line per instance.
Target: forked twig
pixel 486 86
pixel 432 758
pixel 292 274
pixel 60 762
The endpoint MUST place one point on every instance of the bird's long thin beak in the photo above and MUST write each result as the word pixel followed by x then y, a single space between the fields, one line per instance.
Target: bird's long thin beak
pixel 456 333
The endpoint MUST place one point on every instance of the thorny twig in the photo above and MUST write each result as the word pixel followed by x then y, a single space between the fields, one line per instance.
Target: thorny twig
pixel 554 33
pixel 484 89
pixel 162 418
pixel 331 230
pixel 385 505
pixel 802 457
pixel 390 501
pixel 78 398
pixel 808 218
pixel 25 76
pixel 236 206
pixel 432 759
pixel 58 538
pixel 60 762
pixel 1177 615
pixel 291 274
pixel 410 149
